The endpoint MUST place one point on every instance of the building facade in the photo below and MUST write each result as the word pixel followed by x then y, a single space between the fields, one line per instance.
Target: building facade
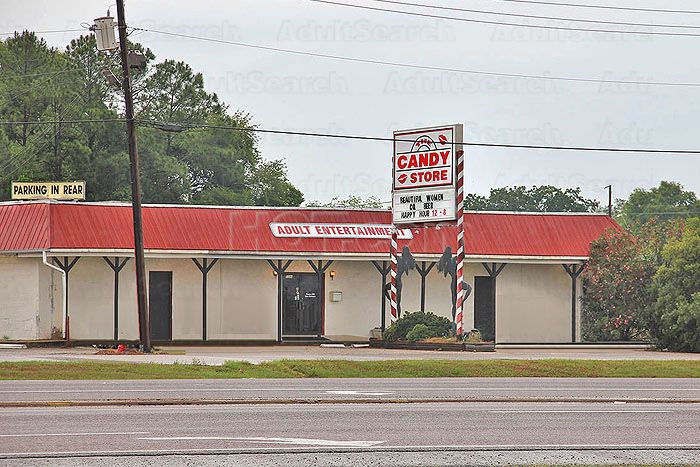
pixel 226 274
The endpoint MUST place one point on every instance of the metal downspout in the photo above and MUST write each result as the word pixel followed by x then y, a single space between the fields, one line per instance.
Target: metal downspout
pixel 64 296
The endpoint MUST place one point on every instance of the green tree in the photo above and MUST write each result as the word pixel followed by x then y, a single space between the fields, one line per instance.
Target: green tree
pixel 677 283
pixel 28 69
pixel 544 198
pixel 197 165
pixel 270 187
pixel 352 201
pixel 619 299
pixel 667 201
pixel 618 293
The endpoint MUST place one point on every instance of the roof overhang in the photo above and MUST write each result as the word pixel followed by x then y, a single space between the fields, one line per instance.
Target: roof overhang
pixel 264 255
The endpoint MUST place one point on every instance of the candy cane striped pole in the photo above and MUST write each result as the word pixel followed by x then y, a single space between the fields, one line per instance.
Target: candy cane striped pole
pixel 394 249
pixel 460 241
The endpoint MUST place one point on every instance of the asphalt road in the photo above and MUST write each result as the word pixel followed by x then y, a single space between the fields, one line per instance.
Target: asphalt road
pixel 624 389
pixel 343 434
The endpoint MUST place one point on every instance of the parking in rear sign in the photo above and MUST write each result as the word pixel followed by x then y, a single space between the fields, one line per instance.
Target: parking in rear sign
pixel 425 172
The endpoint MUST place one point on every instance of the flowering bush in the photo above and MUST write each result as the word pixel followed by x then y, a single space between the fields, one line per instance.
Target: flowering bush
pixel 622 328
pixel 619 301
pixel 617 282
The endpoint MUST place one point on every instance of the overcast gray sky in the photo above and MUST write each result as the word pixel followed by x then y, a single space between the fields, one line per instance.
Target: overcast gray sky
pixel 284 91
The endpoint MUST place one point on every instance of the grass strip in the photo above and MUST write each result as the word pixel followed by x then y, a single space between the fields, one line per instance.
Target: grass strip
pixel 84 370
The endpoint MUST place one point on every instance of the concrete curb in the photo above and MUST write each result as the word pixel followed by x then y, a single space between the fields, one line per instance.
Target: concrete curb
pixel 170 402
pixel 575 346
pixel 349 450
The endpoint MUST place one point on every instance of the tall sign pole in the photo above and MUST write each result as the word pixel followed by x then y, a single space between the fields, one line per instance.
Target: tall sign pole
pixel 142 299
pixel 460 243
pixel 428 189
pixel 394 267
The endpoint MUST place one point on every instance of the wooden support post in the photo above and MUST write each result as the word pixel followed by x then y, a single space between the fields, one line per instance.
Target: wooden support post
pixel 66 266
pixel 384 270
pixel 574 272
pixel 279 268
pixel 494 269
pixel 423 270
pixel 204 267
pixel 117 267
pixel 320 270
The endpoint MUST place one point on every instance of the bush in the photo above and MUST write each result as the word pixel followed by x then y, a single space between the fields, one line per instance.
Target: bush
pixel 419 332
pixel 438 326
pixel 617 280
pixel 681 326
pixel 677 283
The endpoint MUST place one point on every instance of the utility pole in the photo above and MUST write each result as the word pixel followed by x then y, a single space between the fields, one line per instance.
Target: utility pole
pixel 142 299
pixel 609 188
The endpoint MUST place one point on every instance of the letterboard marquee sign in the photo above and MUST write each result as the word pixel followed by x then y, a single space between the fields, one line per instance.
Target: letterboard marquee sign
pixel 48 190
pixel 425 174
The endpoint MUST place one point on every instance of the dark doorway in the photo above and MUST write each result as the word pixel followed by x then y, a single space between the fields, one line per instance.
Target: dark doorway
pixel 302 314
pixel 160 304
pixel 484 315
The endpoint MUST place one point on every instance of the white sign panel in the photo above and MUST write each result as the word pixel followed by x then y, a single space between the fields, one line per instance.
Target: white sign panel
pixel 304 230
pixel 425 174
pixel 430 205
pixel 48 190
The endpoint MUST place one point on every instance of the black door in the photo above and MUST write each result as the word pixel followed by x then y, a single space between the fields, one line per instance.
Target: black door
pixel 484 317
pixel 160 304
pixel 301 314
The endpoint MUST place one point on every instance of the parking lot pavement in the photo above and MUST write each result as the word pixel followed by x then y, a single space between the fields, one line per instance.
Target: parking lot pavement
pixel 257 354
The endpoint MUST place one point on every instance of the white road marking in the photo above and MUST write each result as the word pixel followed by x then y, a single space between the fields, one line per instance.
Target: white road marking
pixel 384 448
pixel 27 435
pixel 580 411
pixel 405 389
pixel 358 393
pixel 286 441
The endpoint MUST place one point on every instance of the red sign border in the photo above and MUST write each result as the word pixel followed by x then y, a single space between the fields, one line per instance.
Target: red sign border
pixel 415 132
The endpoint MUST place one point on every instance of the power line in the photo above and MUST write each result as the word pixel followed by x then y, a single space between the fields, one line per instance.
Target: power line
pixel 4 77
pixel 386 139
pixel 422 67
pixel 518 15
pixel 50 122
pixel 12 160
pixel 42 32
pixel 503 23
pixel 604 7
pixel 28 90
pixel 660 213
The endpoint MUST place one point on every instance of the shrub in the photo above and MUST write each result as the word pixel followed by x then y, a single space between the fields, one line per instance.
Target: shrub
pixel 419 332
pixel 681 326
pixel 438 326
pixel 677 283
pixel 617 280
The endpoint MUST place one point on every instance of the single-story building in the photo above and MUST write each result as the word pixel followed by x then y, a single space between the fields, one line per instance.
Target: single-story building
pixel 225 274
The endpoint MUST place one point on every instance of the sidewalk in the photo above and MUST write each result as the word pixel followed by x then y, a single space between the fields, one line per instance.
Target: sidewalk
pixel 219 355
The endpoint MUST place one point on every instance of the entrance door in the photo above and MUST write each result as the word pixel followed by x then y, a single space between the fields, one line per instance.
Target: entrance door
pixel 484 314
pixel 160 304
pixel 302 313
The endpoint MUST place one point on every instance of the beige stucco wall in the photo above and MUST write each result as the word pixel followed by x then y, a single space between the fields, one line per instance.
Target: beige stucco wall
pixel 19 298
pixel 242 300
pixel 90 295
pixel 50 301
pixel 533 301
pixel 533 304
pixel 360 308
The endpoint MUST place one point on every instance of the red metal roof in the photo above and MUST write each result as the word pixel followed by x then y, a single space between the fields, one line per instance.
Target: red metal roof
pixel 102 226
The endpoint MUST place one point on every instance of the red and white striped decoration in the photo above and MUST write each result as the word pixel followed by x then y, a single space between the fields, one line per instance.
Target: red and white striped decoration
pixel 394 265
pixel 460 241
